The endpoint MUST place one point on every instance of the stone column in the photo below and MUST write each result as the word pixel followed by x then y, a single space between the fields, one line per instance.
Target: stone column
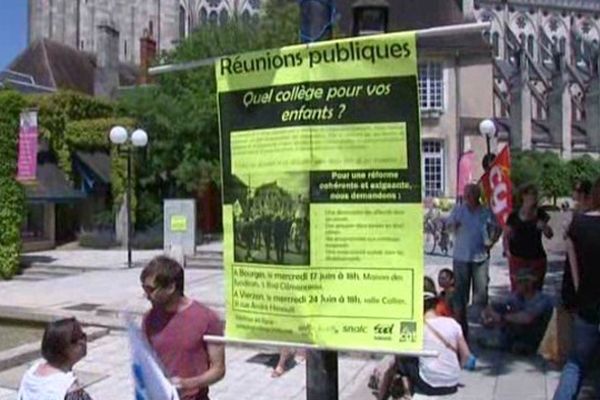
pixel 559 113
pixel 592 110
pixel 520 108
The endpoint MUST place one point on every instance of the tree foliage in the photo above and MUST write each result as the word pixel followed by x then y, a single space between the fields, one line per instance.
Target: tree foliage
pixel 180 111
pixel 552 175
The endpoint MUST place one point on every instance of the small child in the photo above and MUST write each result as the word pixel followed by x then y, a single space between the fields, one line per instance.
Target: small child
pixel 446 282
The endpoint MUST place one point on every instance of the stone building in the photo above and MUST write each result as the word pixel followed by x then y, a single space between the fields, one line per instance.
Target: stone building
pixel 537 78
pixel 74 22
pixel 455 81
pixel 546 85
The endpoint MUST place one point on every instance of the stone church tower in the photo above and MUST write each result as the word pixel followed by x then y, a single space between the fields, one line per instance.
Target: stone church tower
pixel 546 59
pixel 74 22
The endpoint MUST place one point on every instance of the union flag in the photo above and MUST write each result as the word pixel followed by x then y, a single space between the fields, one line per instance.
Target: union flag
pixel 497 186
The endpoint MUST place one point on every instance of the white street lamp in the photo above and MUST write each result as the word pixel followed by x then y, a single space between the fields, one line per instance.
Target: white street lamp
pixel 488 130
pixel 118 135
pixel 139 138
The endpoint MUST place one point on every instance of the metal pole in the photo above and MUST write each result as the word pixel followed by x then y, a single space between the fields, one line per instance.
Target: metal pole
pixel 321 366
pixel 274 343
pixel 437 32
pixel 128 204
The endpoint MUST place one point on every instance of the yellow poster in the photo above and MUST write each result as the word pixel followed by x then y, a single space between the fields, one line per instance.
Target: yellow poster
pixel 178 223
pixel 322 193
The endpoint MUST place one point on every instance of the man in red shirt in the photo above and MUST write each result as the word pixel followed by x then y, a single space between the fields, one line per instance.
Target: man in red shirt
pixel 175 327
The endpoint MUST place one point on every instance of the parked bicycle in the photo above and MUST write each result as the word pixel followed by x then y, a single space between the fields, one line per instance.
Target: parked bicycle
pixel 436 233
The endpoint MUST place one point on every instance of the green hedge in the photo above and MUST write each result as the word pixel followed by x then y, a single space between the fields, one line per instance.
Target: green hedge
pixel 12 199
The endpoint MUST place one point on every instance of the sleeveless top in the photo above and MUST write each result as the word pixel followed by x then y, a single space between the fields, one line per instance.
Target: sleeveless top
pixel 50 387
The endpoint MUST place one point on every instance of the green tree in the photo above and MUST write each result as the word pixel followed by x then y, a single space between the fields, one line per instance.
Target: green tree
pixel 583 168
pixel 544 169
pixel 180 111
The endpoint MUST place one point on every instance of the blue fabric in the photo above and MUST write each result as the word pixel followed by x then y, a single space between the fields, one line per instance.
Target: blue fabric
pixel 538 306
pixel 467 275
pixel 586 342
pixel 471 233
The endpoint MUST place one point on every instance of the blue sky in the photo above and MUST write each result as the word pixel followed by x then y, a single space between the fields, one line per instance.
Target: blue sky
pixel 13 29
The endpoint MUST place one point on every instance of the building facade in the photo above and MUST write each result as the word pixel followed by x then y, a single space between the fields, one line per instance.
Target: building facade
pixel 455 80
pixel 74 22
pixel 546 87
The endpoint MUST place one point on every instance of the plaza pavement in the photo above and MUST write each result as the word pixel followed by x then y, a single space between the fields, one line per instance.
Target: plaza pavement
pixel 99 294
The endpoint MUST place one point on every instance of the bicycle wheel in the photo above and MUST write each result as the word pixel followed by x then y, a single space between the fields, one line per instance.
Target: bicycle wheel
pixel 430 241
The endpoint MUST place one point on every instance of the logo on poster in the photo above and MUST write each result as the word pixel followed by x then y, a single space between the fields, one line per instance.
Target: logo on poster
pixel 383 331
pixel 408 331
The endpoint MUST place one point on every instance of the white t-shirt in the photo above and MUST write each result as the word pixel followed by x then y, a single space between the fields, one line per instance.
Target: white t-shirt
pixel 49 387
pixel 443 370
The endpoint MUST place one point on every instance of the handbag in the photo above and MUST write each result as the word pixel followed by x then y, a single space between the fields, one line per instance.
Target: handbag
pixel 556 343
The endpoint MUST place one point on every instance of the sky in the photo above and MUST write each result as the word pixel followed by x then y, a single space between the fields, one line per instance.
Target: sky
pixel 13 30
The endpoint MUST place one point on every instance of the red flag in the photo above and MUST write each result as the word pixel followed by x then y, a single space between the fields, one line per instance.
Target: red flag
pixel 497 186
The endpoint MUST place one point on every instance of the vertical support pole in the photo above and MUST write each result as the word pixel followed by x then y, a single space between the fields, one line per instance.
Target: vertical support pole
pixel 321 366
pixel 129 225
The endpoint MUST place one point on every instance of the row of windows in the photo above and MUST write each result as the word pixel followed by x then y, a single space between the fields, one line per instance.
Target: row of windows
pixel 581 48
pixel 204 17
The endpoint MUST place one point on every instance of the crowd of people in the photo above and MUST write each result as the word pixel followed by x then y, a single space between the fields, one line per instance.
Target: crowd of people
pixel 276 224
pixel 517 323
pixel 175 325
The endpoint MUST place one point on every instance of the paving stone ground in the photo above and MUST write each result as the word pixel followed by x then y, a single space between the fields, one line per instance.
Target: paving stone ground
pixel 108 289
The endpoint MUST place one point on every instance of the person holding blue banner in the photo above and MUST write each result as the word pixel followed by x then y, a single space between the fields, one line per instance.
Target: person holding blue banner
pixel 175 329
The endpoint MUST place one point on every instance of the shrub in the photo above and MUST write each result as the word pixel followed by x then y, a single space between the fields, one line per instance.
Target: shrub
pixel 97 239
pixel 148 240
pixel 12 199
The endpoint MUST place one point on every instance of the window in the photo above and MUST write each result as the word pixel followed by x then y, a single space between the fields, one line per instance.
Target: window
pixel 203 16
pixel 433 168
pixel 182 22
pixel 431 86
pixel 223 17
pixel 213 18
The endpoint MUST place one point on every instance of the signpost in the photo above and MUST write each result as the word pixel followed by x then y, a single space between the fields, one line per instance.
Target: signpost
pixel 322 197
pixel 321 158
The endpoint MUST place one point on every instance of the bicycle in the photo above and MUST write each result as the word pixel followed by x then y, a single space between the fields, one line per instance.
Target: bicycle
pixel 436 233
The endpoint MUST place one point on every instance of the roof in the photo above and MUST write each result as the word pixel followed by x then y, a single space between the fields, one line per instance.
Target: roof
pixel 98 162
pixel 471 43
pixel 22 83
pixel 58 66
pixel 51 185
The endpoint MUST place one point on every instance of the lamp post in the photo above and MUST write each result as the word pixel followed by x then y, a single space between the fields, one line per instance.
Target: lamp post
pixel 139 138
pixel 370 17
pixel 488 130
